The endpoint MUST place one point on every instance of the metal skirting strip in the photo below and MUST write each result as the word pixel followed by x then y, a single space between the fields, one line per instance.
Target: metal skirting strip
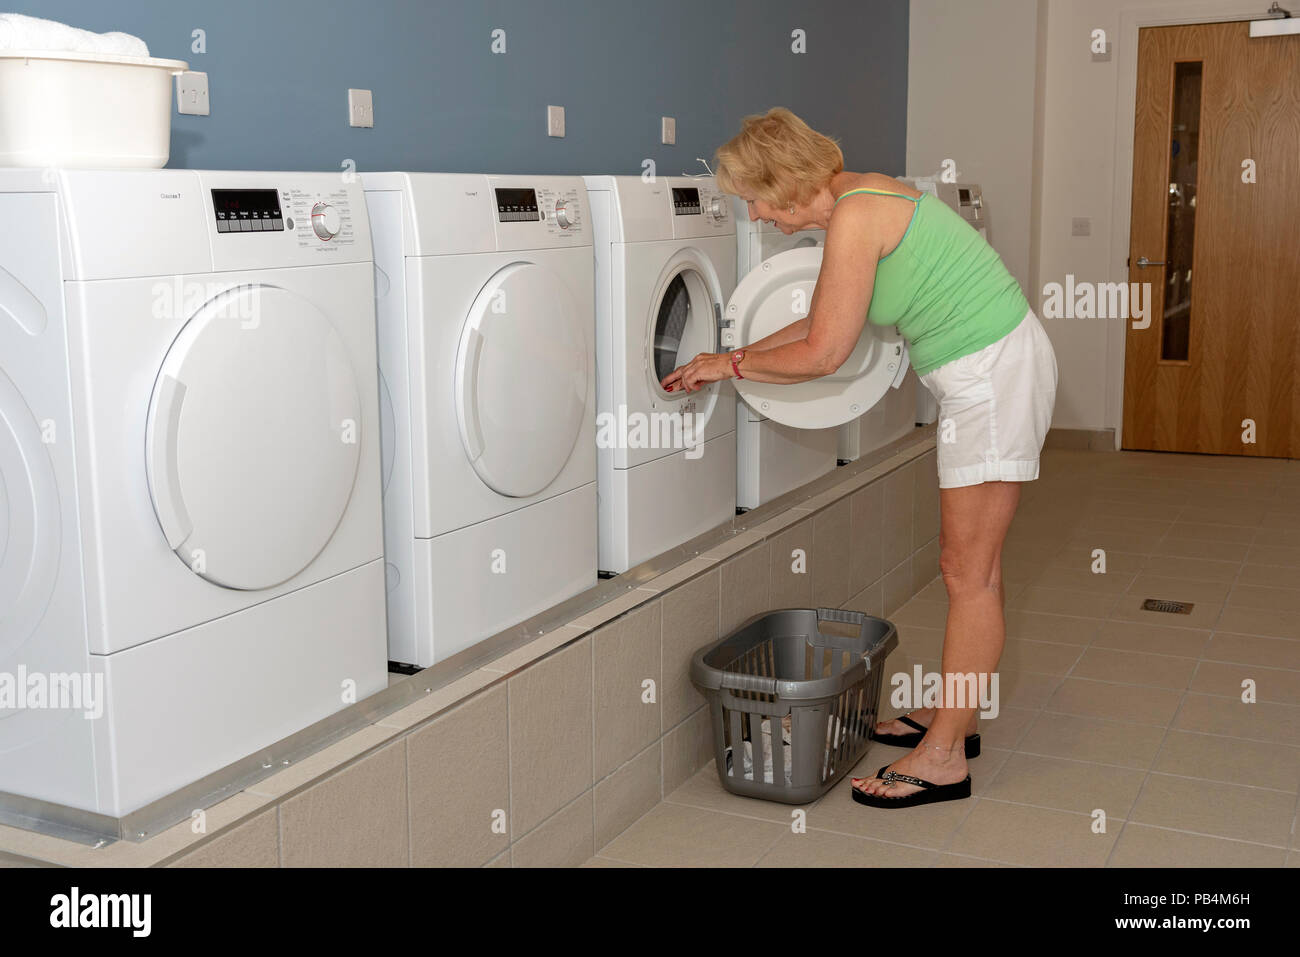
pixel 89 828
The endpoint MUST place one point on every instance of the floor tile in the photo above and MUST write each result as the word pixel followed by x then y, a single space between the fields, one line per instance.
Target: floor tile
pixel 1141 845
pixel 675 835
pixel 1067 785
pixel 1119 702
pixel 1216 809
pixel 1092 739
pixel 1032 836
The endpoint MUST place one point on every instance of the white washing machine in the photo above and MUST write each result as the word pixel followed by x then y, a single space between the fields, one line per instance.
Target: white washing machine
pixel 485 300
pixel 776 457
pixel 665 266
pixel 189 474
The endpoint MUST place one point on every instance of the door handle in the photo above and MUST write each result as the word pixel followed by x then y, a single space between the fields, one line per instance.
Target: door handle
pixel 1143 262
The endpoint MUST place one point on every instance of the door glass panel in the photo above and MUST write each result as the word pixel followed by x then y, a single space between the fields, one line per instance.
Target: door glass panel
pixel 670 326
pixel 1184 142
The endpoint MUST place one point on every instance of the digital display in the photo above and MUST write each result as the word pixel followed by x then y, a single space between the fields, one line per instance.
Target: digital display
pixel 517 206
pixel 686 201
pixel 247 210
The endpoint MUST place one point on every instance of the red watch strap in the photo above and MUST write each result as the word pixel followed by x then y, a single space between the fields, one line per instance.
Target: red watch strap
pixel 736 359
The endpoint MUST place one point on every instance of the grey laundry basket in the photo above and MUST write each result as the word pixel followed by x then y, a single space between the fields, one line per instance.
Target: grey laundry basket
pixel 785 663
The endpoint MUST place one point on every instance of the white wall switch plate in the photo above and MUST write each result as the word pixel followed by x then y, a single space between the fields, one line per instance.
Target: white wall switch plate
pixel 668 131
pixel 192 93
pixel 1104 56
pixel 555 121
pixel 361 108
pixel 1081 226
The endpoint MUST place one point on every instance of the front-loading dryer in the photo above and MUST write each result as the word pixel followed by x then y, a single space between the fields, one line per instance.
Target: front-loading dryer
pixel 665 266
pixel 485 302
pixel 190 525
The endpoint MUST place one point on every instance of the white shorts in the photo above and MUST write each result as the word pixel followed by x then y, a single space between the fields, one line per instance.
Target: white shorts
pixel 995 407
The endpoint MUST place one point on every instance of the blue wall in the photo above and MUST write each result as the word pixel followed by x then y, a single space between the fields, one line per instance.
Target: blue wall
pixel 279 71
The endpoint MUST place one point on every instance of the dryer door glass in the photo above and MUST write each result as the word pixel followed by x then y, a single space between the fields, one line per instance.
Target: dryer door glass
pixel 522 380
pixel 253 437
pixel 683 321
pixel 779 292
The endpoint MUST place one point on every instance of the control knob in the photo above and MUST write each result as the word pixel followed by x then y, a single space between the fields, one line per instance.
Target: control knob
pixel 325 221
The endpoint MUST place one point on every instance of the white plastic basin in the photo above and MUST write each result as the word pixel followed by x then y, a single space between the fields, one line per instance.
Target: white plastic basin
pixel 85 110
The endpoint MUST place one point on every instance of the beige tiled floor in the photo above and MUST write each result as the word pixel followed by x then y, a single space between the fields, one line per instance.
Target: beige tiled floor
pixel 1124 740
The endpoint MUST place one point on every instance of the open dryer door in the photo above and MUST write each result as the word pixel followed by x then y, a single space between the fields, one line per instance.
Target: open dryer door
pixel 779 292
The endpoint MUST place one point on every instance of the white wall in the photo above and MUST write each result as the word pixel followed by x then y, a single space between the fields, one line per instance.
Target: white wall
pixel 1087 171
pixel 1083 133
pixel 970 98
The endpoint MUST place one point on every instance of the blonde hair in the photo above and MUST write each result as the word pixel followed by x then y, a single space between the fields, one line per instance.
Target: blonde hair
pixel 779 158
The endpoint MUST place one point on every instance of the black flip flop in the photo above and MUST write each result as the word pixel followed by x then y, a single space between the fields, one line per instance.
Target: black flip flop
pixel 930 793
pixel 912 740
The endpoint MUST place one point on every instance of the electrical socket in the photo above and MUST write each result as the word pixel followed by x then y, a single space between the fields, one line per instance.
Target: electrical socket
pixel 361 108
pixel 192 93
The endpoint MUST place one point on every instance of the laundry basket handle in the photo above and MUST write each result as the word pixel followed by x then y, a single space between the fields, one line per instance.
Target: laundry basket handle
pixel 738 681
pixel 842 615
pixel 845 617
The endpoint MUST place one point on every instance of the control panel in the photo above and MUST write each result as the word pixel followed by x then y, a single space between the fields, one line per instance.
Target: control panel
pixel 309 217
pixel 247 210
pixel 699 207
pixel 686 201
pixel 558 208
pixel 970 204
pixel 516 205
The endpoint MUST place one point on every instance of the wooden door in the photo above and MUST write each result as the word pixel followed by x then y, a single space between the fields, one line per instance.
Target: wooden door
pixel 1216 108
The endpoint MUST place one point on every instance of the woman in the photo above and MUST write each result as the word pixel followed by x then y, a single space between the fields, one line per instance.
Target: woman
pixel 896 257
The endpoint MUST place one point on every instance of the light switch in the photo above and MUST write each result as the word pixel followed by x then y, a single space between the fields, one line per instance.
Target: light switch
pixel 192 93
pixel 555 121
pixel 1081 226
pixel 668 130
pixel 361 108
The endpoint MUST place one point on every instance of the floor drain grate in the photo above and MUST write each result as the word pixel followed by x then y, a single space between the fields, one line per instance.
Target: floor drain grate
pixel 1171 607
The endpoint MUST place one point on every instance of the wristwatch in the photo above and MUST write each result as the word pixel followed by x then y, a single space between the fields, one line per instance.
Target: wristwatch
pixel 736 359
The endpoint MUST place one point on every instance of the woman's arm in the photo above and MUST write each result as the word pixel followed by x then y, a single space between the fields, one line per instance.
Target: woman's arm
pixel 792 333
pixel 834 322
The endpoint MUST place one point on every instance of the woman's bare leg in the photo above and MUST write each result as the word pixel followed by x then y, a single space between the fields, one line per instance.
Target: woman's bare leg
pixel 973 527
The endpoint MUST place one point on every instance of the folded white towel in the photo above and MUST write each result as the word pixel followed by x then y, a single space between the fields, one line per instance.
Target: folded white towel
pixel 19 32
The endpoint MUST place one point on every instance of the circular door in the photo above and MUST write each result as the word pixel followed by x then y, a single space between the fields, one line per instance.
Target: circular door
pixel 30 528
pixel 681 323
pixel 253 437
pixel 777 293
pixel 521 380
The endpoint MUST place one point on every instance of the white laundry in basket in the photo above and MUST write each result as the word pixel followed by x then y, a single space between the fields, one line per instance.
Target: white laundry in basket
pixel 18 32
pixel 833 737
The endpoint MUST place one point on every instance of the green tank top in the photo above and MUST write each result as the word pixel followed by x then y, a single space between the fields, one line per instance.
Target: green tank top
pixel 943 286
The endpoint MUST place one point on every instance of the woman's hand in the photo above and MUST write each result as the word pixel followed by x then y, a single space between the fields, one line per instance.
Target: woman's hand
pixel 705 368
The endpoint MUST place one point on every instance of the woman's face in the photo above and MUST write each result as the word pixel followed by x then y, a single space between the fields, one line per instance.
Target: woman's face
pixel 778 216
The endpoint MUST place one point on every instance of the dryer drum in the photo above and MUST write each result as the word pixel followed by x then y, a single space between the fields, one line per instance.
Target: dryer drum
pixel 670 327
